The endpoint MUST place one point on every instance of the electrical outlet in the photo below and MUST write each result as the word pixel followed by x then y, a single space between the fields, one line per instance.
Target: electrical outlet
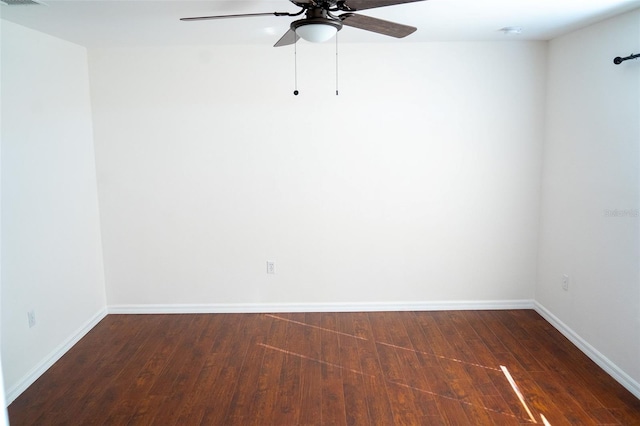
pixel 565 282
pixel 31 315
pixel 271 267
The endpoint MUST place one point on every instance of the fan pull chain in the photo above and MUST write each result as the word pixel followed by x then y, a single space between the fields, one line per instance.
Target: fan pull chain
pixel 295 67
pixel 336 64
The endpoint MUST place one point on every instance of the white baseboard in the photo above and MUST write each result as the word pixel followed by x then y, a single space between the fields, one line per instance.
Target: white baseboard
pixel 605 363
pixel 54 356
pixel 319 307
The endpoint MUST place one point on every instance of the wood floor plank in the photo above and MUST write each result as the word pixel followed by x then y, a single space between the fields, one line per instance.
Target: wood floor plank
pixel 485 376
pixel 134 383
pixel 190 363
pixel 424 400
pixel 506 400
pixel 502 325
pixel 454 369
pixel 239 411
pixel 375 386
pixel 264 401
pixel 378 368
pixel 539 402
pixel 226 385
pixel 213 379
pixel 333 403
pixel 478 322
pixel 357 411
pixel 571 409
pixel 401 394
pixel 288 388
pixel 432 348
pixel 310 371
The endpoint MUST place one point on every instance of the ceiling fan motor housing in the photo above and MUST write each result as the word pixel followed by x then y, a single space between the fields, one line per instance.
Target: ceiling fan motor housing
pixel 317 16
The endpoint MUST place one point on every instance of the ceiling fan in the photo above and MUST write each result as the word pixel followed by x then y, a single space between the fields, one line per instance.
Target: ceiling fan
pixel 320 22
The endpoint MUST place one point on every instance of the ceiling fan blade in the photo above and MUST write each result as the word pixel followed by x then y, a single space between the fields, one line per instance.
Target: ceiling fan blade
pixel 242 15
pixel 354 5
pixel 377 25
pixel 290 37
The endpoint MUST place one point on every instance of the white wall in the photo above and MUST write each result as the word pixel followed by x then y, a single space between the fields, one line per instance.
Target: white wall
pixel 419 183
pixel 3 416
pixel 590 227
pixel 51 248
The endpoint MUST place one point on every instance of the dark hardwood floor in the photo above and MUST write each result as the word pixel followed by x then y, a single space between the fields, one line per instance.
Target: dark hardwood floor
pixel 383 368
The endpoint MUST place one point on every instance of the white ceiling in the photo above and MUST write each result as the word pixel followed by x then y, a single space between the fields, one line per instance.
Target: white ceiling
pixel 105 23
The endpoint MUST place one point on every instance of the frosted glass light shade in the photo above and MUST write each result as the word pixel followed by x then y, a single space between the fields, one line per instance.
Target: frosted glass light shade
pixel 316 33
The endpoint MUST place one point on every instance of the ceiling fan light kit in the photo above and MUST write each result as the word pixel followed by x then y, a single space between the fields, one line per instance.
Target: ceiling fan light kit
pixel 316 33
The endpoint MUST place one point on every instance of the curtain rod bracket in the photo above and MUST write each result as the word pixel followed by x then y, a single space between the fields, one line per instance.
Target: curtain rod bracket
pixel 618 60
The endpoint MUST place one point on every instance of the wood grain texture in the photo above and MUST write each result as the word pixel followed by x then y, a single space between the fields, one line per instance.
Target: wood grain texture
pixel 382 368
